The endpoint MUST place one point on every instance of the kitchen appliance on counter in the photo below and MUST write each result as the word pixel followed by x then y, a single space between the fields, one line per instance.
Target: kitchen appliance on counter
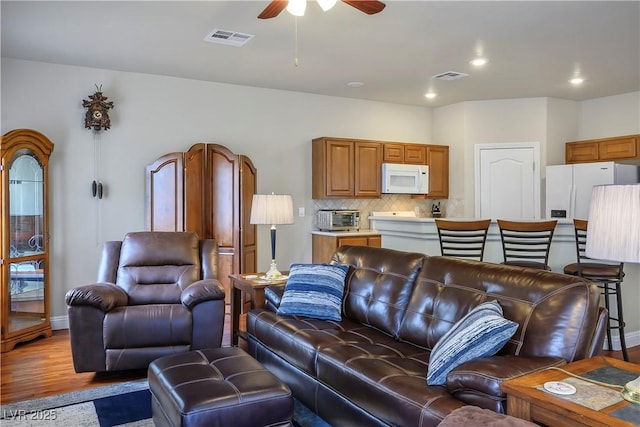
pixel 569 186
pixel 336 220
pixel 405 179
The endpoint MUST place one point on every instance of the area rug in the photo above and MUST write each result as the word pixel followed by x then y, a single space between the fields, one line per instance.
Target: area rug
pixel 126 405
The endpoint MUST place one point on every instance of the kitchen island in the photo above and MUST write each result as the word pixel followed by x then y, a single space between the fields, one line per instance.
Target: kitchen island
pixel 404 231
pixel 415 234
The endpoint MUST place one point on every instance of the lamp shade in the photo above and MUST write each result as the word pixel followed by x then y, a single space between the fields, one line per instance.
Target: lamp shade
pixel 613 231
pixel 271 209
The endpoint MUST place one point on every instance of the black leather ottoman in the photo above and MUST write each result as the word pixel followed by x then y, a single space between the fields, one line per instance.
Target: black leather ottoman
pixel 217 387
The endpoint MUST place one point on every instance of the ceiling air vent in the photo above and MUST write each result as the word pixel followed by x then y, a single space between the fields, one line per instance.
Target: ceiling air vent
pixel 449 75
pixel 230 38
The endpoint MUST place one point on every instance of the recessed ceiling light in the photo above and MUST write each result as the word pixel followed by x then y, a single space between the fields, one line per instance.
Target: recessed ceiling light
pixel 576 81
pixel 479 62
pixel 355 84
pixel 430 95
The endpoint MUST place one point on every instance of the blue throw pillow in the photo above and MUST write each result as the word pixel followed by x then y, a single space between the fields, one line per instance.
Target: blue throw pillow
pixel 481 333
pixel 314 290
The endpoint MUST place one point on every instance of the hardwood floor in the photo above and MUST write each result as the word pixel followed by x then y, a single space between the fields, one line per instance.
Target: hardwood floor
pixel 43 367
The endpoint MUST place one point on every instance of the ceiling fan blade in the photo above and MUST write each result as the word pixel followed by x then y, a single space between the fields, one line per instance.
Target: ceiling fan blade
pixel 369 7
pixel 273 9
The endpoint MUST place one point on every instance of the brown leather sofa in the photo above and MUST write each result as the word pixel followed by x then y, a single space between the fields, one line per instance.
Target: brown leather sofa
pixel 157 294
pixel 370 368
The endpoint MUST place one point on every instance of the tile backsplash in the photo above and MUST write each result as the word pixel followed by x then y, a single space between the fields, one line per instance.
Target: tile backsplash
pixel 393 202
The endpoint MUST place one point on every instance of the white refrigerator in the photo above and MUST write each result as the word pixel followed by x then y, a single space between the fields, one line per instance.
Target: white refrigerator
pixel 568 187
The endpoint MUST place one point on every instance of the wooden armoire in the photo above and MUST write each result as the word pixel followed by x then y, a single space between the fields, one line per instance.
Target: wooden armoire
pixel 207 190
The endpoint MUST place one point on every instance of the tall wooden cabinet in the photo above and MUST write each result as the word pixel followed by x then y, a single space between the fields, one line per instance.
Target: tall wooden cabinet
pixel 24 262
pixel 207 190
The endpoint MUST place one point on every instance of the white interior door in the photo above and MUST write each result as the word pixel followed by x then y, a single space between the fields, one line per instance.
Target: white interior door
pixel 507 181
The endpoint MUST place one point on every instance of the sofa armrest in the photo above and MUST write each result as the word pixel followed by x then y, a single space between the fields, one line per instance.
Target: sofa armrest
pixel 201 291
pixel 480 379
pixel 104 296
pixel 273 296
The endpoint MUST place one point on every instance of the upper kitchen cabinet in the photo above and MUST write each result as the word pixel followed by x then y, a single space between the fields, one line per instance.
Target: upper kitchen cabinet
pixel 415 154
pixel 606 149
pixel 435 156
pixel 344 169
pixel 438 161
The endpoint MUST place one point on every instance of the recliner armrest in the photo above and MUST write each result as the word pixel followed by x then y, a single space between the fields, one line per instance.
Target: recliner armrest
pixel 201 291
pixel 485 375
pixel 105 296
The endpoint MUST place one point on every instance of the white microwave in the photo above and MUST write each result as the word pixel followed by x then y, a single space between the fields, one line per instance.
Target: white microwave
pixel 405 179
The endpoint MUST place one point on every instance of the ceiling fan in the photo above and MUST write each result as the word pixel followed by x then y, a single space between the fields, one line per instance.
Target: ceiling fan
pixel 297 7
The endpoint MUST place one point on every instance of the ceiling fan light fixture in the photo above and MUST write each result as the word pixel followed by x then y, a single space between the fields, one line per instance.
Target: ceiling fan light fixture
pixel 297 7
pixel 327 4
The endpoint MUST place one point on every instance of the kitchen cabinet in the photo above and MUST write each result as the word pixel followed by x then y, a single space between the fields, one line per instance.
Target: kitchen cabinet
pixel 435 156
pixel 350 168
pixel 438 161
pixel 325 244
pixel 346 169
pixel 24 262
pixel 605 149
pixel 207 190
pixel 404 153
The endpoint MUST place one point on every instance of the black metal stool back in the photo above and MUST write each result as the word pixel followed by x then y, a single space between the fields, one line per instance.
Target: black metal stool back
pixel 527 243
pixel 463 239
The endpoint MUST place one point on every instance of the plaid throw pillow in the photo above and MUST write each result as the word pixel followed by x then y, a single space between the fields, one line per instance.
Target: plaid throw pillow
pixel 314 290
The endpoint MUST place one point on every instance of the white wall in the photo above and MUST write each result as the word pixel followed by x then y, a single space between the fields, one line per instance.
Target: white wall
pixel 154 115
pixel 610 116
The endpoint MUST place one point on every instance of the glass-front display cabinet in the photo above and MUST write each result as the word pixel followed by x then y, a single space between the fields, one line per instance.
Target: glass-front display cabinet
pixel 24 261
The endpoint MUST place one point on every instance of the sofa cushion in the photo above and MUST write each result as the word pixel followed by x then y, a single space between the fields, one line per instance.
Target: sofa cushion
pixel 481 333
pixel 314 290
pixel 379 289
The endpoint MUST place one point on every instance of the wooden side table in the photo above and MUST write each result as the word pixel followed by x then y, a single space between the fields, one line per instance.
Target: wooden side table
pixel 526 401
pixel 254 287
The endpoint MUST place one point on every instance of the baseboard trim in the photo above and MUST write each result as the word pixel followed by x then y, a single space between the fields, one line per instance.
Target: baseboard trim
pixel 632 339
pixel 59 322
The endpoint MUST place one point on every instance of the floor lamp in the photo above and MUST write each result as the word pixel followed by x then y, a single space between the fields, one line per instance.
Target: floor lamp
pixel 272 209
pixel 613 234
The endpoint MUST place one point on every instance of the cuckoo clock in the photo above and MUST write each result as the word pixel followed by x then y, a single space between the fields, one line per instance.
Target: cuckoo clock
pixel 97 115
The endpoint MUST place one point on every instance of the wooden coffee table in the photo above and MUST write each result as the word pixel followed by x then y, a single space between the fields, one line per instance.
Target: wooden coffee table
pixel 526 401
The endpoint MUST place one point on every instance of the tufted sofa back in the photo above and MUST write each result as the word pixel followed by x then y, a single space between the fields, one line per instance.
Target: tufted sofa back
pixel 379 285
pixel 154 267
pixel 417 298
pixel 556 313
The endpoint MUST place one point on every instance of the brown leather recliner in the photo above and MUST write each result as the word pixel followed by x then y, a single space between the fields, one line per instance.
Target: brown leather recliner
pixel 157 293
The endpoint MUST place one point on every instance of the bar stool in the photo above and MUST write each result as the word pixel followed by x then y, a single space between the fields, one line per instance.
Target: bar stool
pixel 608 277
pixel 463 239
pixel 527 243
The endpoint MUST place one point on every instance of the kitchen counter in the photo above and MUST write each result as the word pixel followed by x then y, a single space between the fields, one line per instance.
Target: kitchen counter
pixel 415 234
pixel 348 233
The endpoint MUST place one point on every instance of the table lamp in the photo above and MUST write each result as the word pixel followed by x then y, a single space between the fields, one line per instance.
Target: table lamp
pixel 613 234
pixel 272 209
